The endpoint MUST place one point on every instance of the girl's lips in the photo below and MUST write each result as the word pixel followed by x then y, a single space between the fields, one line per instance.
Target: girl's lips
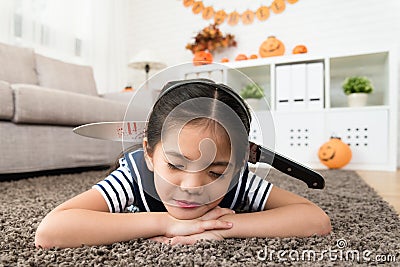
pixel 187 204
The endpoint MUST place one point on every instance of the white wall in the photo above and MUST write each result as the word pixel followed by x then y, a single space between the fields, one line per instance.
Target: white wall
pixel 323 26
pixel 335 25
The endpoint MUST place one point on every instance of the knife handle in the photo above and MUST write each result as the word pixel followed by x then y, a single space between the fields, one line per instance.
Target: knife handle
pixel 290 167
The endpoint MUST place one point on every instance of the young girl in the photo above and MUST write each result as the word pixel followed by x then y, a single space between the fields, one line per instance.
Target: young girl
pixel 189 181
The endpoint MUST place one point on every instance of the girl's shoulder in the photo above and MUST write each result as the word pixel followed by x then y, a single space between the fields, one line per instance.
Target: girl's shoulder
pixel 131 156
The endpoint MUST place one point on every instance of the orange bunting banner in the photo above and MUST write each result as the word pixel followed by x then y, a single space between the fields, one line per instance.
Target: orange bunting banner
pixel 233 18
pixel 247 17
pixel 197 7
pixel 208 13
pixel 262 13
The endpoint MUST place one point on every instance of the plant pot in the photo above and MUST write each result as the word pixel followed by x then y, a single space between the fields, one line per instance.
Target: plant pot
pixel 357 99
pixel 253 103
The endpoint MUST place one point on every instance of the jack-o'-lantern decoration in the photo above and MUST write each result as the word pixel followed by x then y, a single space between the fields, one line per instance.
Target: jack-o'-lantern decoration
pixel 248 17
pixel 202 58
pixel 208 12
pixel 272 47
pixel 197 7
pixel 334 154
pixel 188 3
pixel 128 88
pixel 225 13
pixel 278 6
pixel 241 57
pixel 299 49
pixel 219 17
pixel 262 13
pixel 253 56
pixel 224 60
pixel 233 18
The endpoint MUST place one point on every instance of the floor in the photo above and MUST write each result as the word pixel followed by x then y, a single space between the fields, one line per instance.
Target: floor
pixel 387 184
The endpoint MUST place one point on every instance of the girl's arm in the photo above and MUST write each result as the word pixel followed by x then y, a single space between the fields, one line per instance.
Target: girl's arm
pixel 85 219
pixel 285 215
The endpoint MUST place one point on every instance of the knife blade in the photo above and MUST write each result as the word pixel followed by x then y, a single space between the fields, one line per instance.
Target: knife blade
pixel 133 131
pixel 127 131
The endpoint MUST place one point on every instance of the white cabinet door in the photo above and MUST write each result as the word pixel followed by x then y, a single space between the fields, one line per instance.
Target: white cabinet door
pixel 299 135
pixel 366 131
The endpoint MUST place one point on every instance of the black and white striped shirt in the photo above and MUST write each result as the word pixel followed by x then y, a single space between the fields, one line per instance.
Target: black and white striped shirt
pixel 132 186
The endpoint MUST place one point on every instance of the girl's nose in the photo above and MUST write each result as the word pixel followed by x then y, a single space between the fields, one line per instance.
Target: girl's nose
pixel 193 183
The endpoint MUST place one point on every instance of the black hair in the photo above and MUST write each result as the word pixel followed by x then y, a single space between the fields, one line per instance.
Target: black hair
pixel 176 93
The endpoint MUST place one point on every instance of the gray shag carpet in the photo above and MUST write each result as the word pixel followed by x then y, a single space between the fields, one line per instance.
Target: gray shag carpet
pixel 366 230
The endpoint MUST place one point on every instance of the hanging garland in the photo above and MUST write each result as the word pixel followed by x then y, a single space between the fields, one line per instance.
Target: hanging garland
pixel 233 18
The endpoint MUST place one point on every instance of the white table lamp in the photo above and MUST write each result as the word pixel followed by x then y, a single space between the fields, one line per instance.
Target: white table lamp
pixel 146 59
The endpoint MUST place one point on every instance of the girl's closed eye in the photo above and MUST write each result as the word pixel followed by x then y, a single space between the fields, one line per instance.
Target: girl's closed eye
pixel 175 166
pixel 215 174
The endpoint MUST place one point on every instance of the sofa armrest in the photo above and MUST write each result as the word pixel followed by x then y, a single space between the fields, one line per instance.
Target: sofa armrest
pixel 6 101
pixel 40 105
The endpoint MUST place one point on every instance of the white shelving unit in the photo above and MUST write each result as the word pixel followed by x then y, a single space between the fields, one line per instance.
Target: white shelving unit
pixel 302 128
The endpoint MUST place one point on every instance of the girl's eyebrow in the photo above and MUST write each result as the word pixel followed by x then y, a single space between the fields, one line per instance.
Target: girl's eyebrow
pixel 221 163
pixel 179 155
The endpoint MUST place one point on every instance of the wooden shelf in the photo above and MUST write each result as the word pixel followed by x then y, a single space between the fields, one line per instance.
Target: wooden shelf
pixel 379 116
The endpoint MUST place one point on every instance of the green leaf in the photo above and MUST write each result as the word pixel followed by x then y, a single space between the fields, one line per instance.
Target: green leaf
pixel 252 91
pixel 357 84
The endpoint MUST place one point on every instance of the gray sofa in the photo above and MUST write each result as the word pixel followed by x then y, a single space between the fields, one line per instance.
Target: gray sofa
pixel 41 101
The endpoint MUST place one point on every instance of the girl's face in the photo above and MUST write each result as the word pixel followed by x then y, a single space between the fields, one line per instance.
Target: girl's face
pixel 191 177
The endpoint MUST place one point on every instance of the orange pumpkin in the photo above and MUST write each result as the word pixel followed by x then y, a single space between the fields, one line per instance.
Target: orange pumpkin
pixel 241 57
pixel 253 56
pixel 224 59
pixel 299 49
pixel 272 47
pixel 128 88
pixel 202 58
pixel 334 154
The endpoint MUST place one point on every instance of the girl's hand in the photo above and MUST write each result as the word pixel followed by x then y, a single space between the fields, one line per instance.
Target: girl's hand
pixel 189 239
pixel 208 221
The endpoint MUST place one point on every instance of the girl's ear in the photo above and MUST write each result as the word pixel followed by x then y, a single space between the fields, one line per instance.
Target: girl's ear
pixel 148 155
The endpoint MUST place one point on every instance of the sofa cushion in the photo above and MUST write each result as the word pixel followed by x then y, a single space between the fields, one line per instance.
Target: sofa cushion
pixel 39 105
pixel 28 148
pixel 53 73
pixel 18 64
pixel 6 101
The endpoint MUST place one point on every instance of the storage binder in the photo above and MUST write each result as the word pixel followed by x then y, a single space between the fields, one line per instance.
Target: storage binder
pixel 298 86
pixel 283 87
pixel 315 86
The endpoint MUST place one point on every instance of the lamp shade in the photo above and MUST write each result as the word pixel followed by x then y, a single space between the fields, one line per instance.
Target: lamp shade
pixel 146 57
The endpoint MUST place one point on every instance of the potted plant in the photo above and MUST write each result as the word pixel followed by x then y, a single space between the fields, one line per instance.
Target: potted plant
pixel 252 93
pixel 357 89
